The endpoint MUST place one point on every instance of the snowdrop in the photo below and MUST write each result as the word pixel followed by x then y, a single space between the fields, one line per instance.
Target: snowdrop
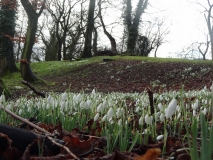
pixel 2 98
pixel 171 108
pixel 96 117
pixel 104 118
pixel 148 119
pixel 9 107
pixel 78 98
pixel 64 96
pixel 105 104
pixel 204 111
pixel 110 113
pixel 100 107
pixel 179 114
pixel 20 111
pixel 159 137
pixel 119 112
pixel 161 117
pixel 140 121
pixel 160 106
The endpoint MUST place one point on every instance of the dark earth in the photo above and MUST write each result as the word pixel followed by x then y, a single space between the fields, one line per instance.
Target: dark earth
pixel 134 76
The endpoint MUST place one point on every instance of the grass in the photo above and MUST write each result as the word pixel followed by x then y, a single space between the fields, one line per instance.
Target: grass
pixel 60 67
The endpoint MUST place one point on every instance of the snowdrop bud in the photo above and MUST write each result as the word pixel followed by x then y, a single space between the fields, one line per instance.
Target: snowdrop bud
pixel 96 117
pixel 2 98
pixel 78 98
pixel 20 111
pixel 179 114
pixel 194 112
pixel 140 121
pixel 82 104
pixel 47 106
pixel 49 99
pixel 110 113
pixel 89 103
pixel 137 109
pixel 104 118
pixel 100 107
pixel 120 122
pixel 8 107
pixel 204 111
pixel 64 96
pixel 161 117
pixel 93 91
pixel 119 112
pixel 159 137
pixel 62 105
pixel 211 88
pixel 160 106
pixel 105 104
pixel 148 119
pixel 171 108
pixel 195 105
pixel 161 97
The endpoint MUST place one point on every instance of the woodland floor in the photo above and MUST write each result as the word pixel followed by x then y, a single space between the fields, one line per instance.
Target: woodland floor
pixel 126 76
pixel 133 76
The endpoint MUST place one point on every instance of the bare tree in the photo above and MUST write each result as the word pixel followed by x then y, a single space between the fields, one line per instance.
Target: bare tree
pixel 88 35
pixel 33 9
pixel 111 38
pixel 132 23
pixel 209 21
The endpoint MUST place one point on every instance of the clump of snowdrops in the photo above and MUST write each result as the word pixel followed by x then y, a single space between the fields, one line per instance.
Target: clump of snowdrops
pixel 124 126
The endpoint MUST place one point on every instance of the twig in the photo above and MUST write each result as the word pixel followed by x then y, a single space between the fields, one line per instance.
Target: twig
pixel 62 146
pixel 33 89
pixel 25 121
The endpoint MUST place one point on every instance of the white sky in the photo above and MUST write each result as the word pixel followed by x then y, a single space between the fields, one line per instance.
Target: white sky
pixel 188 24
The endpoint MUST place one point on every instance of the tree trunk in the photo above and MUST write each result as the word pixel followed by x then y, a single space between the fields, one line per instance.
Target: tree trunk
pixel 88 36
pixel 7 31
pixel 33 16
pixel 95 39
pixel 25 68
pixel 112 39
pixel 132 26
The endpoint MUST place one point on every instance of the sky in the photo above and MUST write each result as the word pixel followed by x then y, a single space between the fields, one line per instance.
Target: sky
pixel 187 24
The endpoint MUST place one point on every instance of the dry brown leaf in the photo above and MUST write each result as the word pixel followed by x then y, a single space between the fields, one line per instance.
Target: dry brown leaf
pixel 151 154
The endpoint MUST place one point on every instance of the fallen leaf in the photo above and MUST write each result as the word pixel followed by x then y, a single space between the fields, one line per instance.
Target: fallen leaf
pixel 151 154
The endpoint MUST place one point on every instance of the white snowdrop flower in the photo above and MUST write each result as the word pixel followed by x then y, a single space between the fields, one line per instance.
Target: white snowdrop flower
pixel 96 117
pixel 62 106
pixel 110 113
pixel 179 114
pixel 159 137
pixel 161 117
pixel 160 106
pixel 105 104
pixel 64 96
pixel 148 119
pixel 2 98
pixel 100 107
pixel 195 105
pixel 119 112
pixel 82 104
pixel 161 97
pixel 9 107
pixel 140 120
pixel 178 108
pixel 171 108
pixel 204 111
pixel 104 118
pixel 78 98
pixel 120 122
pixel 29 109
pixel 20 111
pixel 194 112
pixel 47 106
pixel 93 91
pixel 211 88
pixel 89 103
pixel 145 131
pixel 49 99
pixel 137 109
